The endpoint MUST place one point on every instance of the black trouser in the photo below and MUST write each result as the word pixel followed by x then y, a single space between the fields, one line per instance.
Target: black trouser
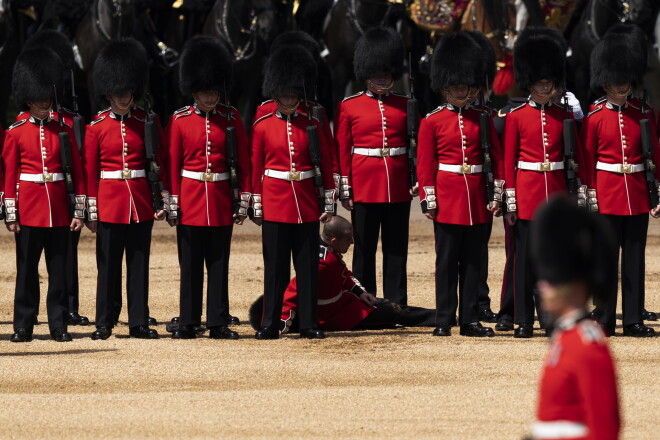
pixel 525 294
pixel 457 268
pixel 506 297
pixel 630 235
pixel 30 243
pixel 72 272
pixel 198 245
pixel 368 220
pixel 280 241
pixel 112 239
pixel 484 290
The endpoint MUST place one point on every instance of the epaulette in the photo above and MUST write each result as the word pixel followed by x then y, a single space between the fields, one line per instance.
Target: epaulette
pixel 600 100
pixel 262 118
pixel 323 252
pixel 182 109
pixel 518 108
pixel 598 108
pixel 352 96
pixel 401 95
pixel 96 121
pixel 268 101
pixel 590 331
pixel 103 111
pixel 439 109
pixel 181 114
pixel 17 124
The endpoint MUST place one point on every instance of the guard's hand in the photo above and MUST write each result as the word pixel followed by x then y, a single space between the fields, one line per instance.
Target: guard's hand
pixel 239 219
pixel 347 204
pixel 14 227
pixel 92 226
pixel 511 218
pixel 160 215
pixel 76 224
pixel 326 217
pixel 430 214
pixel 258 221
pixel 414 191
pixel 172 221
pixel 495 207
pixel 368 298
pixel 655 212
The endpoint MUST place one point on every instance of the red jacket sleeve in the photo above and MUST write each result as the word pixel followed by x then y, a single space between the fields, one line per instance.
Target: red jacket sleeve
pixel 344 141
pixel 91 161
pixel 257 157
pixel 511 141
pixel 175 156
pixel 243 155
pixel 10 160
pixel 290 301
pixel 427 159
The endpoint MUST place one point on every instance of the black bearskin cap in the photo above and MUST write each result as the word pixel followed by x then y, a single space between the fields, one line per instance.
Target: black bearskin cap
pixel 205 65
pixel 256 313
pixel 488 57
pixel 539 53
pixel 57 42
pixel 620 57
pixel 297 37
pixel 287 70
pixel 121 67
pixel 35 72
pixel 457 59
pixel 570 245
pixel 379 50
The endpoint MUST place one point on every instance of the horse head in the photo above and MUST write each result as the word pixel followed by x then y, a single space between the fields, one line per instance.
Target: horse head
pixel 115 18
pixel 270 20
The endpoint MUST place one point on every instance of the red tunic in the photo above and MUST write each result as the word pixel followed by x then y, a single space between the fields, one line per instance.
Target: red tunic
pixel 578 391
pixel 339 307
pixel 280 143
pixel 451 136
pixel 197 143
pixel 115 143
pixel 534 133
pixel 611 134
pixel 270 106
pixel 32 147
pixel 366 121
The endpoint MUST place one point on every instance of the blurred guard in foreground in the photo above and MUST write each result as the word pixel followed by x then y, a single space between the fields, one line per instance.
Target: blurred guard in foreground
pixel 37 200
pixel 209 171
pixel 574 252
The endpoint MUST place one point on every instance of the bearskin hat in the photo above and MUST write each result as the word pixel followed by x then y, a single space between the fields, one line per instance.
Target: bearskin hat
pixel 457 59
pixel 121 67
pixel 620 57
pixel 379 50
pixel 287 70
pixel 57 42
pixel 35 72
pixel 539 53
pixel 488 57
pixel 571 245
pixel 205 65
pixel 297 37
pixel 256 312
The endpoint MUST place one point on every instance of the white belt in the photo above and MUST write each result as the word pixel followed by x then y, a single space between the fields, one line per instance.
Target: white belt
pixel 540 166
pixel 461 169
pixel 380 152
pixel 620 168
pixel 325 302
pixel 205 177
pixel 123 174
pixel 41 178
pixel 295 176
pixel 559 429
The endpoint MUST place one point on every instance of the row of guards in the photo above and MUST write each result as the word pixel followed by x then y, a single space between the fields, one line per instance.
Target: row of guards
pixel 204 175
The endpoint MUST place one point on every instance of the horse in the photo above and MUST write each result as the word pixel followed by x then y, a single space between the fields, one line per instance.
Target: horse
pixel 596 18
pixel 246 28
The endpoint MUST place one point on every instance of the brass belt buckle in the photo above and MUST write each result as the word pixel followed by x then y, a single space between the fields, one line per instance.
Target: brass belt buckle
pixel 625 168
pixel 48 177
pixel 208 177
pixel 465 168
pixel 385 152
pixel 126 174
pixel 294 176
pixel 545 166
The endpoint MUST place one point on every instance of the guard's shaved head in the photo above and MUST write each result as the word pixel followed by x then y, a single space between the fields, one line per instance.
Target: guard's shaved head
pixel 337 227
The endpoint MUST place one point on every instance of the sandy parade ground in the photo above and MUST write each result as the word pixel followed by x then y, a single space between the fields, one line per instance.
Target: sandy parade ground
pixel 395 384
